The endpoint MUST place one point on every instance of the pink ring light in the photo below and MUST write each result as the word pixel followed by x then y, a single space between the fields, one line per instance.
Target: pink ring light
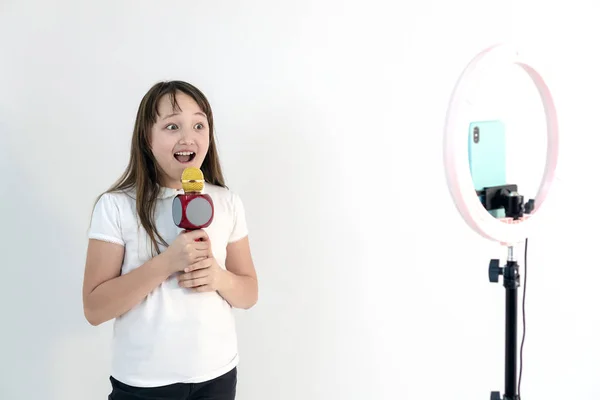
pixel 456 164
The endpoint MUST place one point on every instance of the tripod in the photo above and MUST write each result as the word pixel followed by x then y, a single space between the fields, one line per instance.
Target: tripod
pixel 512 281
pixel 506 197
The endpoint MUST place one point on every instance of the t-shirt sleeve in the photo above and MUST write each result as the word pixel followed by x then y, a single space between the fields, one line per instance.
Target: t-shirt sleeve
pixel 240 227
pixel 106 221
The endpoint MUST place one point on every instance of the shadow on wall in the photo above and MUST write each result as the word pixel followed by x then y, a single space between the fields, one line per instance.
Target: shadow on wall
pixel 49 339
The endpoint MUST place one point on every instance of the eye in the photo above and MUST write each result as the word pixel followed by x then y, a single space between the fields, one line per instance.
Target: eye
pixel 199 126
pixel 171 127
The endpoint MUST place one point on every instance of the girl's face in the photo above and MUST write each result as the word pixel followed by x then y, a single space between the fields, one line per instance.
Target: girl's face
pixel 179 138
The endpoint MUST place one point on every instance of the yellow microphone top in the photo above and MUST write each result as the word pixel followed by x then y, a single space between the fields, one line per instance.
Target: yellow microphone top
pixel 192 180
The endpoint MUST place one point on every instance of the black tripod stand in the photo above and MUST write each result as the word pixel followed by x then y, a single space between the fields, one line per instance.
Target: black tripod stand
pixel 512 281
pixel 506 197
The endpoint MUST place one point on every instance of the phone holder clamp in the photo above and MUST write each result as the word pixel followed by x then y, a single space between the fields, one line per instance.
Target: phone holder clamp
pixel 508 198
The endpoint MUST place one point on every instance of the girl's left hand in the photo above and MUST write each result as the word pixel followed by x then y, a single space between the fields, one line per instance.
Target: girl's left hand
pixel 204 276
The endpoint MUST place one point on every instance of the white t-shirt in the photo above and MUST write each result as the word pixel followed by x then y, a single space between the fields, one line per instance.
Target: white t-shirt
pixel 175 334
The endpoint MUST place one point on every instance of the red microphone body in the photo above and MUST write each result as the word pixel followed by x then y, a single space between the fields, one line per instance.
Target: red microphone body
pixel 193 211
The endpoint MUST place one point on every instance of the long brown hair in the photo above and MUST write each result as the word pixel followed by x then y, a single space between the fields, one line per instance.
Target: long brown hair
pixel 143 172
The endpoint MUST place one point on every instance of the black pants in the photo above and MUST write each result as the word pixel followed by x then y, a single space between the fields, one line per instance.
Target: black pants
pixel 221 388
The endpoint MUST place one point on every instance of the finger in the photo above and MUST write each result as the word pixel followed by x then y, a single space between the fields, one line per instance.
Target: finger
pixel 202 264
pixel 201 246
pixel 198 234
pixel 200 255
pixel 190 283
pixel 201 273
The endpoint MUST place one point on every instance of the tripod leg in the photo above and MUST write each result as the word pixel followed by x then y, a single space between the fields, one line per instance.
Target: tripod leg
pixel 511 284
pixel 510 370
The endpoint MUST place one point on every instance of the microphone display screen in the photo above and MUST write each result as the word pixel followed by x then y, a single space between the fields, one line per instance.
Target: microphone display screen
pixel 177 211
pixel 198 211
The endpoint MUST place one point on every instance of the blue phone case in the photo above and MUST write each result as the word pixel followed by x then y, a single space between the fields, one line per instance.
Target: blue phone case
pixel 487 156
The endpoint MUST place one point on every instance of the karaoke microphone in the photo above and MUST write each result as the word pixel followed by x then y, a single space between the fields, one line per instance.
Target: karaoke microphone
pixel 193 210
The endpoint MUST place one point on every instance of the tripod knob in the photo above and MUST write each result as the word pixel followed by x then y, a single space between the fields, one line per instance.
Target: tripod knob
pixel 495 396
pixel 529 206
pixel 494 271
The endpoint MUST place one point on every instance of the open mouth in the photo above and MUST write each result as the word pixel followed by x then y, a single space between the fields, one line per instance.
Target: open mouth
pixel 184 156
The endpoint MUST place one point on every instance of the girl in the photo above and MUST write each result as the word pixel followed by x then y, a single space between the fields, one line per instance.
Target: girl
pixel 171 292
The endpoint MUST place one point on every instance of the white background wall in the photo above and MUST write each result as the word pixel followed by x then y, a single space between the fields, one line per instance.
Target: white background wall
pixel 329 117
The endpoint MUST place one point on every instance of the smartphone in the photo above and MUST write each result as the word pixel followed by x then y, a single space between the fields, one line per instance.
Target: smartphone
pixel 487 156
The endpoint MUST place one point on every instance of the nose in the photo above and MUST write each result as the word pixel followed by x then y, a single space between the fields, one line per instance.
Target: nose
pixel 186 137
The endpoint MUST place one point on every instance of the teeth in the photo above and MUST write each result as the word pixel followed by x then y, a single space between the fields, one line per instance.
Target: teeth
pixel 184 153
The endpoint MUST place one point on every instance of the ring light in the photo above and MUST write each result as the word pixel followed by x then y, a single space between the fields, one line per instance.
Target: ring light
pixel 458 176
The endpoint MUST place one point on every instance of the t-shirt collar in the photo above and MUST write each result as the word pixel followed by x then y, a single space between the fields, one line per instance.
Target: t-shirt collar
pixel 166 193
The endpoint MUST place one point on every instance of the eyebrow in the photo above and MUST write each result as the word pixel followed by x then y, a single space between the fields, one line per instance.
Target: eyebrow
pixel 177 113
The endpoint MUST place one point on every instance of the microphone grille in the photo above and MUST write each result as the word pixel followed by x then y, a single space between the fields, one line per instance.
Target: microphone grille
pixel 192 180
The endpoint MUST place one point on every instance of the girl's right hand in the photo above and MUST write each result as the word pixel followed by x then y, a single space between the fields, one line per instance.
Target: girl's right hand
pixel 187 249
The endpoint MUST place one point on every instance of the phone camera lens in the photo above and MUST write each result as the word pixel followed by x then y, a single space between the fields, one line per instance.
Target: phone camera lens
pixel 476 134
